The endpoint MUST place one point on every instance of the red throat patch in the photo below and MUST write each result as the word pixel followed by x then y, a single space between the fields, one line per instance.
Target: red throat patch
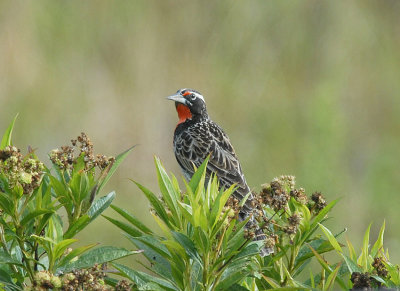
pixel 183 113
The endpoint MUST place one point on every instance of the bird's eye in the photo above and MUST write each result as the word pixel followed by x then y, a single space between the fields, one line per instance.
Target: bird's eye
pixel 193 97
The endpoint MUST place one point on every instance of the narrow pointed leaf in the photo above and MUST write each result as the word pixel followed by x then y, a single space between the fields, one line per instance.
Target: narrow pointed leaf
pixel 194 182
pixel 118 160
pixel 100 205
pixel 6 140
pixel 378 245
pixel 60 247
pixel 132 219
pixel 125 227
pixel 363 259
pixel 99 256
pixel 167 189
pixel 74 253
pixel 7 259
pixel 331 238
pixel 158 207
pixel 351 265
pixel 77 226
pixel 331 278
pixel 34 214
pixel 141 278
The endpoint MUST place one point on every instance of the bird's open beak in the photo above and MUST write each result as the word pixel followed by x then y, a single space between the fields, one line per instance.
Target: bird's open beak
pixel 177 98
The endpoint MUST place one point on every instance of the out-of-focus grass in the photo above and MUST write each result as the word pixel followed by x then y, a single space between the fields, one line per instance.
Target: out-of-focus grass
pixel 307 88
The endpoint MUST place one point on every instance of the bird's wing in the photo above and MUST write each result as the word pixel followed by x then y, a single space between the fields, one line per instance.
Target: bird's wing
pixel 207 138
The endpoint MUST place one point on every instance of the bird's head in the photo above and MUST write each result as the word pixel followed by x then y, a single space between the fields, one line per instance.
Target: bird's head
pixel 189 104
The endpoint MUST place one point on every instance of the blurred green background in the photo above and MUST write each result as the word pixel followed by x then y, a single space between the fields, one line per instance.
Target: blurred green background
pixel 309 88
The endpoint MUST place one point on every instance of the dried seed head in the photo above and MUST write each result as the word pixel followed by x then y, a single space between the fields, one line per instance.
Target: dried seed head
pixel 360 280
pixel 380 267
pixel 66 157
pixel 319 200
pixel 299 195
pixel 294 220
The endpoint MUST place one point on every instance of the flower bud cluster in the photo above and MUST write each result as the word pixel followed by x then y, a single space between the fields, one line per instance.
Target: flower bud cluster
pixel 66 157
pixel 85 279
pixel 25 171
pixel 44 280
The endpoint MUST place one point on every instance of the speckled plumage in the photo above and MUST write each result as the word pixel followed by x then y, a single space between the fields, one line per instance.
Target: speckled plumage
pixel 197 137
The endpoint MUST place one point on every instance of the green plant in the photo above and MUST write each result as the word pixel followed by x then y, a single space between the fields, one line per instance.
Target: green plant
pixel 200 244
pixel 370 269
pixel 203 247
pixel 35 242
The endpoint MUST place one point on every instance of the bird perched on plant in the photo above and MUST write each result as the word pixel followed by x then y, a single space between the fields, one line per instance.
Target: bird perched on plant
pixel 196 137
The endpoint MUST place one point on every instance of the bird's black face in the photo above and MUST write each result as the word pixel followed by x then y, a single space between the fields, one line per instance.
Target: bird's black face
pixel 188 99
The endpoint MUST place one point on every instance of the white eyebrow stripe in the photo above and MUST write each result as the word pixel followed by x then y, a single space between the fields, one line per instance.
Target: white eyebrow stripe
pixel 199 96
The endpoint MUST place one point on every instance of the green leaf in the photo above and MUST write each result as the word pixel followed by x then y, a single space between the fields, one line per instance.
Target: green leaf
pixel 113 167
pixel 321 260
pixel 74 253
pixel 62 193
pixel 187 244
pixel 6 140
pixel 99 256
pixel 252 249
pixel 6 204
pixel 331 238
pixel 351 265
pixel 317 219
pixel 156 253
pixel 271 282
pixel 219 204
pixel 132 219
pixel 60 247
pixel 7 259
pixel 352 252
pixel 320 246
pixel 186 211
pixel 195 180
pixel 7 280
pixel 154 243
pixel 167 189
pixel 379 242
pixel 34 214
pixel 79 185
pixel 158 207
pixel 54 229
pixel 394 273
pixel 231 277
pixel 363 259
pixel 100 205
pixel 125 227
pixel 141 278
pixel 237 287
pixel 326 267
pixel 77 226
pixel 331 278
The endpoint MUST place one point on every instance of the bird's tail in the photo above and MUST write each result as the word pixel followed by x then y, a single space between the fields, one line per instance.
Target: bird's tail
pixel 259 236
pixel 249 209
pixel 265 251
pixel 259 233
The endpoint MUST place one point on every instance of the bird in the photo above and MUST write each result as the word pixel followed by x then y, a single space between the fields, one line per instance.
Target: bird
pixel 196 137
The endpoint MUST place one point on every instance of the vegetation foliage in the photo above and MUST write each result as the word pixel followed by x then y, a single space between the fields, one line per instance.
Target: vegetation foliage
pixel 200 243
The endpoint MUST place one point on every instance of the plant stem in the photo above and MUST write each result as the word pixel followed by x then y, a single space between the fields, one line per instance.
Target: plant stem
pixel 27 260
pixel 293 255
pixel 205 271
pixel 4 244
